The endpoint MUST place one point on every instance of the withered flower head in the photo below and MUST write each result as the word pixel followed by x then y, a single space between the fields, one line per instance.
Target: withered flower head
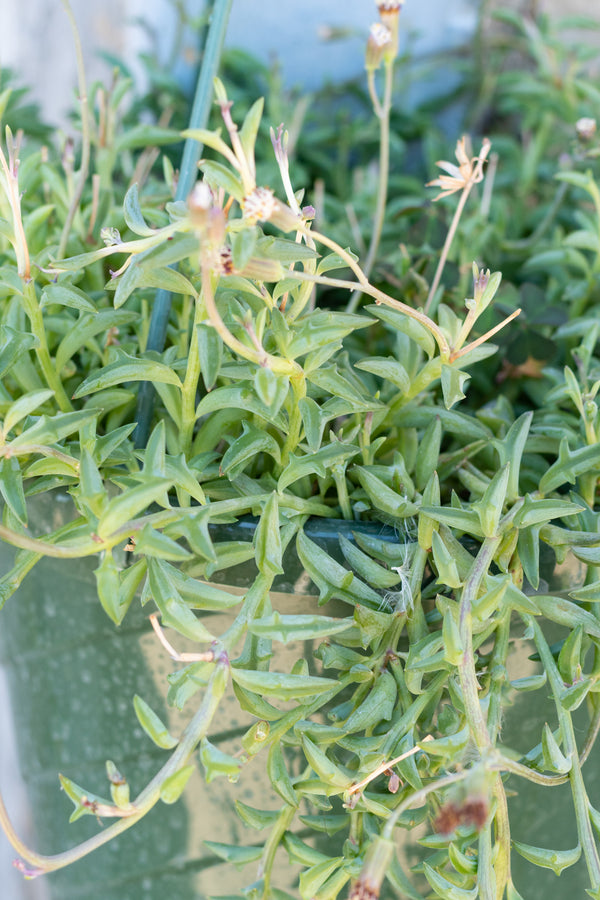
pixel 468 171
pixel 377 860
pixel 389 13
pixel 262 206
pixel 585 128
pixel 389 6
pixel 208 219
pixel 380 37
pixel 201 197
pixel 473 813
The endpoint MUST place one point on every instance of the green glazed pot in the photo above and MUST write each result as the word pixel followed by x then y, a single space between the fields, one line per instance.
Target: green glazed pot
pixel 72 675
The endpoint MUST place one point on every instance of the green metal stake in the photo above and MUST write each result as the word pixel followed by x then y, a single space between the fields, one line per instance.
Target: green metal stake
pixel 218 18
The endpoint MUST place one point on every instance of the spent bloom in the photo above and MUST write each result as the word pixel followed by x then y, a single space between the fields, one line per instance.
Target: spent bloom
pixel 585 128
pixel 261 205
pixel 469 170
pixel 389 13
pixel 380 38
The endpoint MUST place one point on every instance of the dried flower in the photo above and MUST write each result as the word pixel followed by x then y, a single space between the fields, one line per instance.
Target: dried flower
pixel 469 170
pixel 481 280
pixel 473 813
pixel 377 861
pixel 389 12
pixel 380 37
pixel 389 7
pixel 201 197
pixel 585 128
pixel 111 236
pixel 208 219
pixel 262 206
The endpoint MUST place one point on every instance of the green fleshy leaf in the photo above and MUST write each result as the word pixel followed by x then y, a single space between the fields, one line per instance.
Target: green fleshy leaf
pixel 557 860
pixel 127 368
pixel 217 763
pixel 277 627
pixel 280 684
pixel 156 730
pixel 172 787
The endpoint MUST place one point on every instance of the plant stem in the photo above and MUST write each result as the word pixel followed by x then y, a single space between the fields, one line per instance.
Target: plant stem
pixel 498 664
pixel 34 313
pixel 448 243
pixel 383 114
pixel 380 297
pixel 466 669
pixel 190 383
pixel 420 795
pixel 339 477
pixel 85 135
pixel 187 175
pixel 298 386
pixel 502 823
pixel 580 798
pixel 150 795
pixel 265 866
pixel 259 356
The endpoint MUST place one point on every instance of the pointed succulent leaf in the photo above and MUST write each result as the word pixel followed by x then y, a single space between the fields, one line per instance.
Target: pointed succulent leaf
pixel 378 705
pixel 383 497
pixel 174 611
pixel 319 462
pixel 267 539
pixel 129 504
pixel 217 763
pixel 557 860
pixel 279 776
pixel 554 758
pixel 281 685
pixel 312 879
pixel 489 508
pixel 108 585
pixel 256 818
pixel 324 767
pixel 132 213
pixel 233 853
pixel 23 407
pixel 172 787
pixel 284 628
pixel 445 888
pixel 127 368
pixel 156 730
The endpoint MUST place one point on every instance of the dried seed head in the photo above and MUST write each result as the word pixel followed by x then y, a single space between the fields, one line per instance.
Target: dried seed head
pixel 585 128
pixel 377 861
pixel 201 197
pixel 208 219
pixel 466 173
pixel 111 236
pixel 472 812
pixel 389 6
pixel 262 206
pixel 389 13
pixel 380 38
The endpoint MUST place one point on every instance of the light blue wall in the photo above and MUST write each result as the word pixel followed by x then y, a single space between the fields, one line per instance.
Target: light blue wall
pixel 290 30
